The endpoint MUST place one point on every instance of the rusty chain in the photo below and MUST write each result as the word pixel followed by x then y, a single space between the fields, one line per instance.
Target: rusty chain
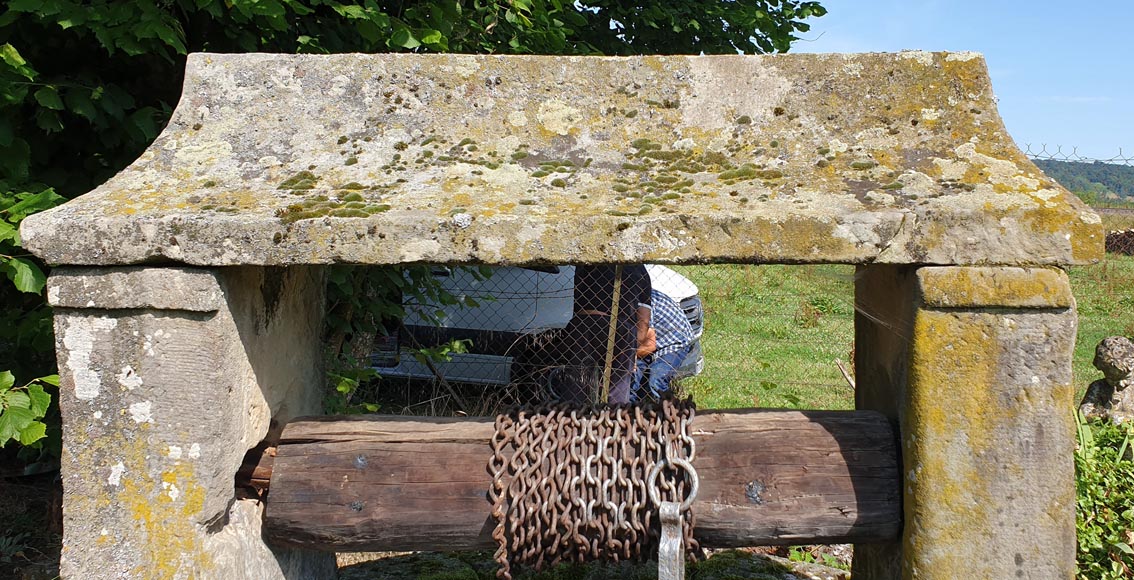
pixel 574 484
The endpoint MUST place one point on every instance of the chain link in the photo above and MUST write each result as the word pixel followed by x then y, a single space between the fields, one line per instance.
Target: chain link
pixel 575 484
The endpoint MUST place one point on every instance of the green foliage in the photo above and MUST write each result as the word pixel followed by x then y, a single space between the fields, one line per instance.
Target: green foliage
pixel 345 374
pixel 811 556
pixel 1104 474
pixel 25 322
pixel 22 409
pixel 12 547
pixel 1096 182
pixel 693 26
pixel 21 270
pixel 366 302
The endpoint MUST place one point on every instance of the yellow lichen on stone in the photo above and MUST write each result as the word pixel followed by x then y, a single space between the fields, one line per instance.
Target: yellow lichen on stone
pixel 986 432
pixel 136 505
pixel 164 510
pixel 995 287
pixel 951 377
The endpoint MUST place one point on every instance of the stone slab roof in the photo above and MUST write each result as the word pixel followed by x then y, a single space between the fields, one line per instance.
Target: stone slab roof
pixel 381 159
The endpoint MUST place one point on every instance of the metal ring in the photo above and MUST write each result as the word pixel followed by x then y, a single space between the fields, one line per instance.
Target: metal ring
pixel 694 481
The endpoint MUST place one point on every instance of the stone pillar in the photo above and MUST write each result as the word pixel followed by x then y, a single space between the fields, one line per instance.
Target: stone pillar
pixel 974 364
pixel 167 377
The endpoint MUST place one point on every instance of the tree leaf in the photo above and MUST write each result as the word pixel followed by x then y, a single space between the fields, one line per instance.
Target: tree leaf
pixel 39 400
pixel 31 6
pixel 402 37
pixel 368 30
pixel 79 101
pixel 25 275
pixel 430 36
pixel 32 432
pixel 351 11
pixel 49 97
pixel 12 58
pixel 13 420
pixel 171 37
pixel 49 121
pixel 52 380
pixel 7 231
pixel 143 120
pixel 45 199
pixel 6 380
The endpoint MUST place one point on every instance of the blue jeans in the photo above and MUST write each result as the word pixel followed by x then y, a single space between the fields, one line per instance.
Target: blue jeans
pixel 662 370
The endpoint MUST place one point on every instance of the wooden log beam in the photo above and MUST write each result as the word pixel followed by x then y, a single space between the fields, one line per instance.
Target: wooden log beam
pixel 365 483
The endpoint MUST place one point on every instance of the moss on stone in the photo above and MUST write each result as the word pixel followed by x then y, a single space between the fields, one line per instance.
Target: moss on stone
pixel 301 180
pixel 737 565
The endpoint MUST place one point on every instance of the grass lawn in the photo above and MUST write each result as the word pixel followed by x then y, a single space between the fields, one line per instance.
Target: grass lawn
pixel 1105 296
pixel 773 333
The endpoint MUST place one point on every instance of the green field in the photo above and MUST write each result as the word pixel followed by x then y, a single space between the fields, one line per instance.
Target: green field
pixel 773 333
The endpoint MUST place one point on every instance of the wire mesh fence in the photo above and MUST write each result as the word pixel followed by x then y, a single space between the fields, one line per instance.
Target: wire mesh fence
pixel 731 335
pixel 1120 242
pixel 752 336
pixel 1045 152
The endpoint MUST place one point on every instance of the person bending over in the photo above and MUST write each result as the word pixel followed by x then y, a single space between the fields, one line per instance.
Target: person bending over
pixel 672 337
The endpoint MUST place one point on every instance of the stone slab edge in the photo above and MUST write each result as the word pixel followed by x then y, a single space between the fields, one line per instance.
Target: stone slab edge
pixel 174 288
pixel 1006 287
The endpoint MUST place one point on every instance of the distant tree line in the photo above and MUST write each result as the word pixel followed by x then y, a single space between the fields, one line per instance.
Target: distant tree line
pixel 1093 181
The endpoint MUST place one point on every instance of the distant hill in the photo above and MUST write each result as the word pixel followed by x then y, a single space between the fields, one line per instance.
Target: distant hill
pixel 1092 180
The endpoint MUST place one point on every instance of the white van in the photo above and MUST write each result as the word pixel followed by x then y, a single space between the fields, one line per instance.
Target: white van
pixel 512 303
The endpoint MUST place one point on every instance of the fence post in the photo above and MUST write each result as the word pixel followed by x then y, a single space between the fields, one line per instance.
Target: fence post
pixel 974 363
pixel 168 375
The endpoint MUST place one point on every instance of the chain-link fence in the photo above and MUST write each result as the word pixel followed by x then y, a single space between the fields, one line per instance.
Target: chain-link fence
pixel 731 335
pixel 1045 152
pixel 747 336
pixel 1120 242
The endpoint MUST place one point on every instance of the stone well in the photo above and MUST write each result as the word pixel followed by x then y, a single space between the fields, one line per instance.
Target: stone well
pixel 188 289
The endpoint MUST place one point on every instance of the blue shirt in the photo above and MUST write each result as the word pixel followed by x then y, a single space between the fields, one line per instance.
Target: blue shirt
pixel 670 324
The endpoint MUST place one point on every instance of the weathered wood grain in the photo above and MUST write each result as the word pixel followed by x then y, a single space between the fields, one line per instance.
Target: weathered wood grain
pixel 402 483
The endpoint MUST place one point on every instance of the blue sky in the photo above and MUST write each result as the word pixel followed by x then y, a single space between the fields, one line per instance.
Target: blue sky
pixel 1063 71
